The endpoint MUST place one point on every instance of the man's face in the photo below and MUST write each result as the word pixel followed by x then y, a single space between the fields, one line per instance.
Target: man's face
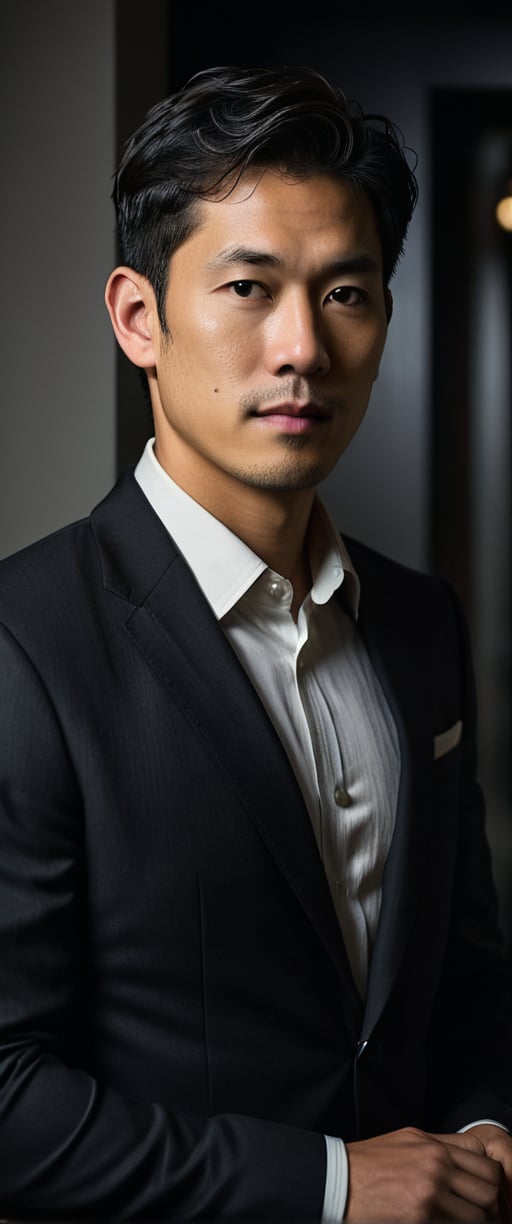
pixel 277 320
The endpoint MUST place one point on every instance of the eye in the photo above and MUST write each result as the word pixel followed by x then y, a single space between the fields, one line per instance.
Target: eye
pixel 349 295
pixel 248 289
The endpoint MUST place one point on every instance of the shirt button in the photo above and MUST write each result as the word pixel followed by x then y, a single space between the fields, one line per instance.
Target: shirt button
pixel 278 589
pixel 342 797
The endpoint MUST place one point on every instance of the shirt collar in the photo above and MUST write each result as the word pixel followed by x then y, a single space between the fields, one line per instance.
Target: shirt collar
pixel 223 565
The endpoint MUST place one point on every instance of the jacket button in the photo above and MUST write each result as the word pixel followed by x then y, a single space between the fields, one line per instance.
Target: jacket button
pixel 369 1054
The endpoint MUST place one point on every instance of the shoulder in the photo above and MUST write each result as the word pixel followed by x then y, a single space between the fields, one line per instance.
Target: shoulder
pixel 42 564
pixel 400 581
pixel 87 575
pixel 45 597
pixel 55 563
pixel 414 603
pixel 43 580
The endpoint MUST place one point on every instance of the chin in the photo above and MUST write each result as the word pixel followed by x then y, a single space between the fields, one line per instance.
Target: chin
pixel 287 478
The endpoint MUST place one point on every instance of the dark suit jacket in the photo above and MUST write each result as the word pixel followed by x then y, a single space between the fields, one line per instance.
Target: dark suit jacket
pixel 178 1022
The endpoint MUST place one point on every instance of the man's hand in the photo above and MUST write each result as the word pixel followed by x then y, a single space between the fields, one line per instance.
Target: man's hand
pixel 415 1177
pixel 498 1144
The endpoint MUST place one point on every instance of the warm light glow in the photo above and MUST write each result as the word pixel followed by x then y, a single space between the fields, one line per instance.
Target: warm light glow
pixel 504 212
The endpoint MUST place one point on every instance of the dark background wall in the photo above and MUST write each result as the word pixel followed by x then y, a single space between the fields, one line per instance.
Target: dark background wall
pixel 428 477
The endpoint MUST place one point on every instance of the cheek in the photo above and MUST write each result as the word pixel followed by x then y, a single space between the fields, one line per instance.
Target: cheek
pixel 229 339
pixel 217 347
pixel 230 363
pixel 367 357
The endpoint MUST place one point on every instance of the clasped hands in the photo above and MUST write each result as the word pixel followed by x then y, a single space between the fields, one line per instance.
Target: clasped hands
pixel 414 1177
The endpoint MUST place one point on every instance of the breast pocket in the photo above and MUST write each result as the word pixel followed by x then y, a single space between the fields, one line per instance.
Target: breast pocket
pixel 445 741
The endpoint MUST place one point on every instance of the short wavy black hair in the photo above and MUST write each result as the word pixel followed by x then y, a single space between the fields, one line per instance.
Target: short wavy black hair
pixel 225 120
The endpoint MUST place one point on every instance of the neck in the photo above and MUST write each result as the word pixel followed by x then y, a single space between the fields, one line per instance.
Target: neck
pixel 275 526
pixel 271 522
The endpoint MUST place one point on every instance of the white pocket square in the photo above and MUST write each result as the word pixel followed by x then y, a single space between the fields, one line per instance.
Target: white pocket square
pixel 446 740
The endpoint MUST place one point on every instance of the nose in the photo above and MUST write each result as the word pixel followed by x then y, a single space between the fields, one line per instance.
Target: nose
pixel 295 342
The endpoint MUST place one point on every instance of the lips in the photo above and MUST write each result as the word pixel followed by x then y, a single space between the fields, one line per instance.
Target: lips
pixel 292 417
pixel 297 411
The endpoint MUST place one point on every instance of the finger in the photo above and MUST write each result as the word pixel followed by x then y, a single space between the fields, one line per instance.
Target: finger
pixel 474 1179
pixel 463 1139
pixel 451 1207
pixel 477 1190
pixel 475 1163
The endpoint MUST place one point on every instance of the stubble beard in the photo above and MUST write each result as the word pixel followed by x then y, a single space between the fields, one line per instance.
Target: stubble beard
pixel 286 474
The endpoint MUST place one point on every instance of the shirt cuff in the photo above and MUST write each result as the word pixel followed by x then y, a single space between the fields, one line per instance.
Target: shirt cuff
pixel 336 1182
pixel 483 1122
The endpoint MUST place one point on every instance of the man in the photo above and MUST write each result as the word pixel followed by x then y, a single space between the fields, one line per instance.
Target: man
pixel 251 962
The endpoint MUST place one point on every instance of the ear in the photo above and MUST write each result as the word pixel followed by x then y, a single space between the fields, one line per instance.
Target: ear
pixel 388 298
pixel 131 304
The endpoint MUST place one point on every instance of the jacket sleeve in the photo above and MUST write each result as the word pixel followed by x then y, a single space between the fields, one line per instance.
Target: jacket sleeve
pixel 470 1069
pixel 72 1147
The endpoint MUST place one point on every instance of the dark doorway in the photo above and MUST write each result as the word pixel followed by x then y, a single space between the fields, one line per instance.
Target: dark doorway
pixel 471 135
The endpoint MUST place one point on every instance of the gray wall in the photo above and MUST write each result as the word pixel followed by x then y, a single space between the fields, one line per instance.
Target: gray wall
pixel 57 418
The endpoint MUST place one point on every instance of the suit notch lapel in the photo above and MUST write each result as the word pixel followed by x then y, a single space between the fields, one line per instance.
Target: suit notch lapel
pixel 390 656
pixel 172 625
pixel 176 637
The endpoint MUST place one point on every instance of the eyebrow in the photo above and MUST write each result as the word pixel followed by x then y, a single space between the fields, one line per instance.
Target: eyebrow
pixel 237 254
pixel 246 255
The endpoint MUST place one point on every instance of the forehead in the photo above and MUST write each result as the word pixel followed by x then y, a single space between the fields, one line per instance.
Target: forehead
pixel 284 213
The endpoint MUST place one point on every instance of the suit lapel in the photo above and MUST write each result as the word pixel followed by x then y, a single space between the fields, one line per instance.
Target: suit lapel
pixel 172 625
pixel 390 651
